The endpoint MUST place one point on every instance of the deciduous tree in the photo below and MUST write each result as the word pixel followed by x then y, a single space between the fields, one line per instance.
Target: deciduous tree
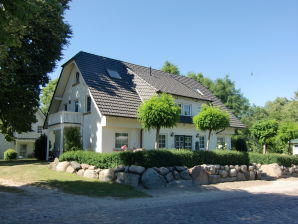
pixel 47 94
pixel 158 112
pixel 170 68
pixel 211 119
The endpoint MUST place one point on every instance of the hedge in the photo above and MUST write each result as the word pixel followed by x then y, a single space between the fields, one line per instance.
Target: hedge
pixel 10 154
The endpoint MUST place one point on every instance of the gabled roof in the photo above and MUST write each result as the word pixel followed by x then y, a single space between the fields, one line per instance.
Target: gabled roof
pixel 118 97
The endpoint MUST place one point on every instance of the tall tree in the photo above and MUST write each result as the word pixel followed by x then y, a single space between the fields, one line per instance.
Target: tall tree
pixel 26 61
pixel 47 94
pixel 225 90
pixel 211 119
pixel 158 112
pixel 265 131
pixel 170 68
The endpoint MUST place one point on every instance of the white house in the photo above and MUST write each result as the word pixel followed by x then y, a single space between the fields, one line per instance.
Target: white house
pixel 100 96
pixel 24 142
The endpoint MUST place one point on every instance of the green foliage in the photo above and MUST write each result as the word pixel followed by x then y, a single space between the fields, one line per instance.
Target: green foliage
pixel 170 68
pixel 264 131
pixel 239 143
pixel 158 111
pixel 10 154
pixel 284 160
pixel 73 140
pixel 40 148
pixel 211 118
pixel 160 158
pixel 225 90
pixel 34 36
pixel 286 132
pixel 47 94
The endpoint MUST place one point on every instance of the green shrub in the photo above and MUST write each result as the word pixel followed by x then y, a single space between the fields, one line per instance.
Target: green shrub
pixel 10 154
pixel 239 143
pixel 40 149
pixel 159 158
pixel 73 139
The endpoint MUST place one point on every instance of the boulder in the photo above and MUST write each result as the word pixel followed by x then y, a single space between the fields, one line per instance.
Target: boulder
pixel 120 168
pixel 90 174
pixel 199 175
pixel 91 168
pixel 291 170
pixel 233 172
pixel 180 168
pixel 169 177
pixel 128 178
pixel 62 166
pixel 85 166
pixel 151 179
pixel 52 166
pixel 70 169
pixel 80 172
pixel 243 168
pixel 163 171
pixel 272 170
pixel 136 169
pixel 237 167
pixel 240 176
pixel 75 165
pixel 223 173
pixel 106 174
pixel 217 167
pixel 232 166
pixel 176 175
pixel 211 169
pixel 214 179
pixel 251 168
pixel 227 168
pixel 252 175
pixel 185 175
pixel 56 161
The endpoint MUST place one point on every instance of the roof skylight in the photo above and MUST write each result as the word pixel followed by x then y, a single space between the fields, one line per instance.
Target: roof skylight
pixel 199 92
pixel 113 74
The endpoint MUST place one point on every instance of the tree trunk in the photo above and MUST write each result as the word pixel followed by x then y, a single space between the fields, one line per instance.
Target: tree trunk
pixel 264 149
pixel 208 140
pixel 156 145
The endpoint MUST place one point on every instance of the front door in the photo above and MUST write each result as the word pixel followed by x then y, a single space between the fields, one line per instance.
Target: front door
pixel 183 142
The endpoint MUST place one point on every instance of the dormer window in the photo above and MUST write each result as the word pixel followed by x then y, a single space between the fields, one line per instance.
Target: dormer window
pixel 77 78
pixel 113 74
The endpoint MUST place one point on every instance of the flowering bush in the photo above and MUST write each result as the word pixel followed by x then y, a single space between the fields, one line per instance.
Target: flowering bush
pixel 124 147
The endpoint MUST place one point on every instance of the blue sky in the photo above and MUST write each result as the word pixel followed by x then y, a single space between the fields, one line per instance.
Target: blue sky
pixel 233 37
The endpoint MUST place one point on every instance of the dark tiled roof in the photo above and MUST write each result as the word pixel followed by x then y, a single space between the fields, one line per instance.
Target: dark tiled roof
pixel 118 97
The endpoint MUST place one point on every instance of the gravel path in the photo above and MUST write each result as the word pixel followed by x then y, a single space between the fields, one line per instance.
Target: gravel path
pixel 239 202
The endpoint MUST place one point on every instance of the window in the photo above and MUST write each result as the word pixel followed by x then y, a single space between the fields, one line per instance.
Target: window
pixel 77 78
pixel 121 139
pixel 113 74
pixel 188 142
pixel 23 150
pixel 39 129
pixel 88 105
pixel 220 142
pixel 162 141
pixel 76 106
pixel 202 142
pixel 65 107
pixel 183 142
pixel 185 109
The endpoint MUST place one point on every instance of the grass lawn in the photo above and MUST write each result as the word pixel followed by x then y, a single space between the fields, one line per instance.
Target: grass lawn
pixel 34 172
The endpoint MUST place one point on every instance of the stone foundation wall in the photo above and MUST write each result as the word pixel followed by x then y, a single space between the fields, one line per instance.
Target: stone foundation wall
pixel 152 178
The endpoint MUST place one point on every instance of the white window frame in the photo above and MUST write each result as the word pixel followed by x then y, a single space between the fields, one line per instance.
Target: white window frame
pixel 77 78
pixel 204 142
pixel 23 153
pixel 165 143
pixel 223 143
pixel 88 97
pixel 122 141
pixel 182 109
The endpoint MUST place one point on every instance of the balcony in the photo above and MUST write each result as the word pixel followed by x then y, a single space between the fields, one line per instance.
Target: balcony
pixel 65 117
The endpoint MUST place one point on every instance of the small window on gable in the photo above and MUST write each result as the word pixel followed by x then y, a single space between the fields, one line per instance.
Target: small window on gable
pixel 88 105
pixel 76 106
pixel 113 74
pixel 65 107
pixel 77 77
pixel 39 129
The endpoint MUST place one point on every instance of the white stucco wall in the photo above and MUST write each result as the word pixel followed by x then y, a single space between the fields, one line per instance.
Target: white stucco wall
pixel 185 129
pixel 91 128
pixel 195 104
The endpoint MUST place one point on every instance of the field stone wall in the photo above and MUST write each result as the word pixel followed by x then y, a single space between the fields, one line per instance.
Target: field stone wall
pixel 157 177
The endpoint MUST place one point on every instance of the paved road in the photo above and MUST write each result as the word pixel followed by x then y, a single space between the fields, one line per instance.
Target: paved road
pixel 274 202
